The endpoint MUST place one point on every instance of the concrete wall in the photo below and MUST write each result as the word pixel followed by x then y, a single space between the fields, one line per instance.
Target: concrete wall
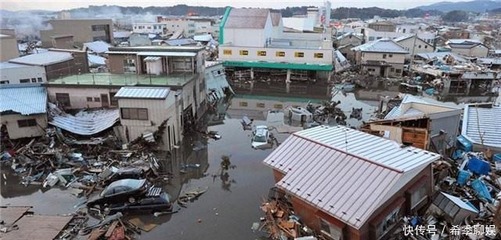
pixel 158 111
pixel 16 132
pixel 8 48
pixel 79 94
pixel 250 37
pixel 272 57
pixel 419 46
pixel 81 29
pixel 478 51
pixel 13 75
pixel 174 25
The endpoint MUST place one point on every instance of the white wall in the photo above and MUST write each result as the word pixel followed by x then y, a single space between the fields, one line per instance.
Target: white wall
pixel 15 132
pixel 13 75
pixel 478 51
pixel 419 46
pixel 271 55
pixel 245 37
pixel 154 67
pixel 398 58
pixel 79 95
pixel 158 111
pixel 149 28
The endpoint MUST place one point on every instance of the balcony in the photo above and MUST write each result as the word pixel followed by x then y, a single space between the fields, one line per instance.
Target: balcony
pixel 101 79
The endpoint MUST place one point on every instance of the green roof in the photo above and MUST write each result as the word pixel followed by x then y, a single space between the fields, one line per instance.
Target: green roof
pixel 99 79
pixel 279 65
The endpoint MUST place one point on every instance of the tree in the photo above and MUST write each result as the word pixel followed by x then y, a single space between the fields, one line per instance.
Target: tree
pixel 455 16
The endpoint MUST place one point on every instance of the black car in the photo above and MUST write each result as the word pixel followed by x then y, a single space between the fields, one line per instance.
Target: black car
pixel 121 191
pixel 151 204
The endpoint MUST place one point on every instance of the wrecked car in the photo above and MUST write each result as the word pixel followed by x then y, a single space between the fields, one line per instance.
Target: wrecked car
pixel 124 191
pixel 150 204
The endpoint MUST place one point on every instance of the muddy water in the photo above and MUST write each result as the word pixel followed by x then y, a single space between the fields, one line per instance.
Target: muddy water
pixel 228 208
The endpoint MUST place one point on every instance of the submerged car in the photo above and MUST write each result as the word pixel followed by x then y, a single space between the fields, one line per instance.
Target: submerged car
pixel 260 136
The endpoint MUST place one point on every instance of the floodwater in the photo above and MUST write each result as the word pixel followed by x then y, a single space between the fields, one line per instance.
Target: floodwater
pixel 228 208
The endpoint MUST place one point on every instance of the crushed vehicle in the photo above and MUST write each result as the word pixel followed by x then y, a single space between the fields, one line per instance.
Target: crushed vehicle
pixel 131 194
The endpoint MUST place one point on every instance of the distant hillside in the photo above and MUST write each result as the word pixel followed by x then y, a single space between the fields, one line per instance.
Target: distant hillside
pixel 473 6
pixel 368 13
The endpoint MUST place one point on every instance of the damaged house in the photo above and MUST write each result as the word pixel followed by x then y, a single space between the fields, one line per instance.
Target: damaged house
pixel 383 58
pixel 420 122
pixel 347 184
pixel 144 109
pixel 23 111
pixel 481 126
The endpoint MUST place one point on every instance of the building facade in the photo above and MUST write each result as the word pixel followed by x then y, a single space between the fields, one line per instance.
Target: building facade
pixel 383 58
pixel 82 30
pixel 13 73
pixel 8 47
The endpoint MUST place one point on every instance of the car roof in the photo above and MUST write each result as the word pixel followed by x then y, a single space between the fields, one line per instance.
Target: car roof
pixel 132 183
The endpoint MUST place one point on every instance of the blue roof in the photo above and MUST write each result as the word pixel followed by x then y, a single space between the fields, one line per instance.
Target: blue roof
pixel 23 100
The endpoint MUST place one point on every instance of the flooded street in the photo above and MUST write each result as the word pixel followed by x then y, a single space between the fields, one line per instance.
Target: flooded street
pixel 231 203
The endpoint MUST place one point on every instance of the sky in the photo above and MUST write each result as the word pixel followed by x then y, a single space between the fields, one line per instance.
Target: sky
pixel 16 5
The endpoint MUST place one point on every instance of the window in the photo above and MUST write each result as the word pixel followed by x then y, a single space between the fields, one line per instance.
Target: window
pixel 26 123
pixel 392 69
pixel 129 65
pixel 134 113
pixel 99 27
pixel 418 196
pixel 4 82
pixel 113 99
pixel 278 106
pixel 299 54
pixel 243 104
pixel 89 99
pixel 24 80
pixel 384 56
pixel 280 54
pixel 330 231
pixel 371 38
pixel 388 222
pixel 244 52
pixel 261 53
pixel 398 70
pixel 260 105
pixel 227 51
pixel 318 55
pixel 63 99
pixel 33 80
pixel 39 79
pixel 96 99
pixel 390 55
pixel 419 46
pixel 425 46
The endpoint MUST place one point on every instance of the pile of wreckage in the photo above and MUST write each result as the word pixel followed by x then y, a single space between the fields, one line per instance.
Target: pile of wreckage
pixel 466 204
pixel 111 179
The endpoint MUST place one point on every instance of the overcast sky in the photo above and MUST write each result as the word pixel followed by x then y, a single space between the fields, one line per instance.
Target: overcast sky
pixel 15 5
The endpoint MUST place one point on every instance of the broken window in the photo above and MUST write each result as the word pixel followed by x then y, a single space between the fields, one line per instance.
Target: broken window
pixel 26 123
pixel 384 56
pixel 63 99
pixel 134 113
pixel 4 82
pixel 129 65
pixel 330 231
pixel 24 80
pixel 418 195
pixel 388 222
pixel 89 99
pixel 113 99
pixel 96 99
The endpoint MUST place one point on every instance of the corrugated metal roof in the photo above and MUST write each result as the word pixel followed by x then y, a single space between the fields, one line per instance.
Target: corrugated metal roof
pixel 168 54
pixel 405 108
pixel 143 92
pixel 247 18
pixel 43 59
pixel 485 121
pixel 381 45
pixel 481 75
pixel 23 100
pixel 98 46
pixel 87 123
pixel 345 172
pixel 441 55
